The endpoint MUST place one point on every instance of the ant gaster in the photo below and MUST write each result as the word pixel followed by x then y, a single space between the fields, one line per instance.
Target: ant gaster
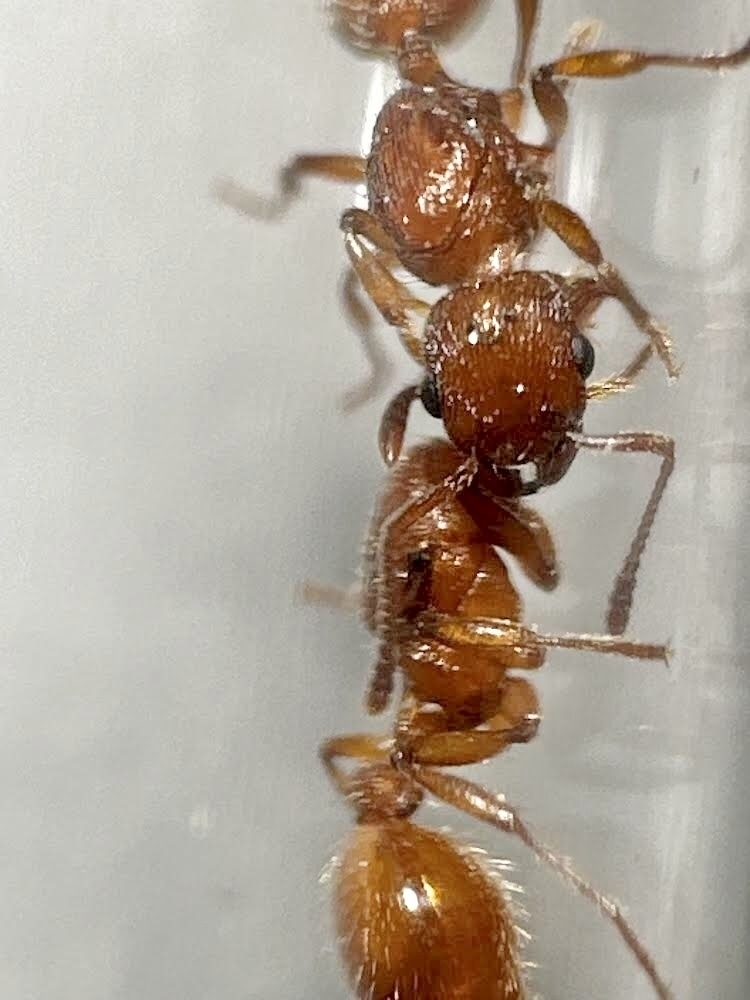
pixel 439 596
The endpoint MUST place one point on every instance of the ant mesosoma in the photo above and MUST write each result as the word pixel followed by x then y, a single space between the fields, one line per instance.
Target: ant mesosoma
pixel 453 625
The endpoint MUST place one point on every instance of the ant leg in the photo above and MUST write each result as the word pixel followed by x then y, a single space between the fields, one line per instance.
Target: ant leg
pixel 333 167
pixel 478 802
pixel 527 13
pixel 585 294
pixel 608 63
pixel 519 530
pixel 517 721
pixel 393 423
pixel 385 621
pixel 360 746
pixel 576 235
pixel 380 365
pixel 621 598
pixel 498 633
pixel 549 95
pixel 389 295
pixel 335 598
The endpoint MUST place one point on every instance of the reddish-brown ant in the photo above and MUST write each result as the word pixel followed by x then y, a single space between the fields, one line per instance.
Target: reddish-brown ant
pixel 507 364
pixel 454 195
pixel 439 596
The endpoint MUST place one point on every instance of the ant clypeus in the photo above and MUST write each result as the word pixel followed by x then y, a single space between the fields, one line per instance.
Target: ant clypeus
pixel 418 916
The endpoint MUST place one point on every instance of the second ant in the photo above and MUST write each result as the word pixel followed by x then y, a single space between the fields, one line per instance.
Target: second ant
pixel 439 597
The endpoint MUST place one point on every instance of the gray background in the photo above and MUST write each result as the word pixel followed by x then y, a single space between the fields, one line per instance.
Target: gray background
pixel 175 462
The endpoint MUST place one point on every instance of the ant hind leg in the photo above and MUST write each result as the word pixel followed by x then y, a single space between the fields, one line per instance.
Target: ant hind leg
pixel 478 802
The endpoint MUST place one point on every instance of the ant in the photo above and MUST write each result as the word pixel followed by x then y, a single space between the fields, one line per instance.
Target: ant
pixel 454 195
pixel 454 625
pixel 507 364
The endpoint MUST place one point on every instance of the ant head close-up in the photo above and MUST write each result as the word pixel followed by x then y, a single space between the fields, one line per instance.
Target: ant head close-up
pixel 506 372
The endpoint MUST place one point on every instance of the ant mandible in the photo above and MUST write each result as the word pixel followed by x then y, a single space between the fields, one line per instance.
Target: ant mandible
pixel 451 619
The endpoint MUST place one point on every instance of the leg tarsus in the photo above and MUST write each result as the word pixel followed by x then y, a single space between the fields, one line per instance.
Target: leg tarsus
pixel 335 598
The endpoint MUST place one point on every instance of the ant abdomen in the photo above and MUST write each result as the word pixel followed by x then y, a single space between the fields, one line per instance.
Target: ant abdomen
pixel 419 917
pixel 447 182
pixel 382 24
pixel 508 366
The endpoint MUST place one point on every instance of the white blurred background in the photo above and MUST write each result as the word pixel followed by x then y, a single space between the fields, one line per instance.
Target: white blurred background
pixel 175 462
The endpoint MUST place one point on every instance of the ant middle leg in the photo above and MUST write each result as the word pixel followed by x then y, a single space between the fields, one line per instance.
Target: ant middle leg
pixel 358 746
pixel 379 364
pixel 504 633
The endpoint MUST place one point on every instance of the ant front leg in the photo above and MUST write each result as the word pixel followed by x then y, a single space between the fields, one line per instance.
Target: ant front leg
pixel 478 802
pixel 389 295
pixel 331 166
pixel 549 94
pixel 621 598
pixel 527 15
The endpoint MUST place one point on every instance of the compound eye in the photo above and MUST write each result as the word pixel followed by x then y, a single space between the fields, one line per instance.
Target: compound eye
pixel 430 396
pixel 583 354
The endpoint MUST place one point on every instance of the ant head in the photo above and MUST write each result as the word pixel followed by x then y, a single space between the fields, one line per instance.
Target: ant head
pixel 506 370
pixel 382 24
